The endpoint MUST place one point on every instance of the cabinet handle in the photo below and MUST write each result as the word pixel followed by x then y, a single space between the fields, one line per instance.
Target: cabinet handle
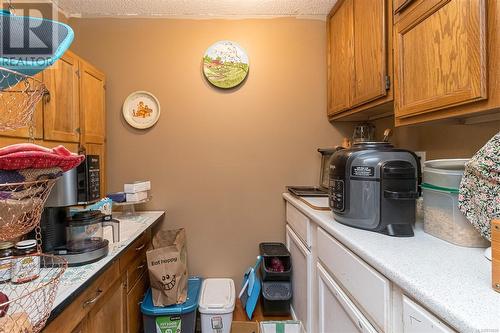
pixel 46 97
pixel 93 299
pixel 403 6
pixel 140 266
pixel 140 247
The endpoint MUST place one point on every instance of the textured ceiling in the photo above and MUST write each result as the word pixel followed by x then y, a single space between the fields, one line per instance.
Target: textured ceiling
pixel 196 8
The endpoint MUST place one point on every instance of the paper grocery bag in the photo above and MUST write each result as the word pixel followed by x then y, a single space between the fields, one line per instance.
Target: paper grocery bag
pixel 167 267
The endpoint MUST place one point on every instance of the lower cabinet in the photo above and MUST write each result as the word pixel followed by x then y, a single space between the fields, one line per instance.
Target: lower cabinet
pixel 336 312
pixel 111 304
pixel 335 291
pixel 301 279
pixel 82 327
pixel 108 316
pixel 133 304
pixel 418 320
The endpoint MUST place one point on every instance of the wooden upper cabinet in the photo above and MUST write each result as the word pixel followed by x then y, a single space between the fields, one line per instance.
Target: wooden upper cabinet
pixel 92 103
pixel 370 51
pixel 339 62
pixel 61 110
pixel 440 56
pixel 359 59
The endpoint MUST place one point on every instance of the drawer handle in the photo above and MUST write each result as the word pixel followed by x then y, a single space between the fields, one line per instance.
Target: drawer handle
pixel 140 247
pixel 93 299
pixel 140 266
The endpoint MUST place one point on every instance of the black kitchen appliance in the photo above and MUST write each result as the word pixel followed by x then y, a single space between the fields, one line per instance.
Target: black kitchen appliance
pixel 76 236
pixel 373 186
pixel 324 175
pixel 88 180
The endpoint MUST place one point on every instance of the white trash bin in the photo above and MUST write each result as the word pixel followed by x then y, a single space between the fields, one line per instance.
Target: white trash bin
pixel 216 305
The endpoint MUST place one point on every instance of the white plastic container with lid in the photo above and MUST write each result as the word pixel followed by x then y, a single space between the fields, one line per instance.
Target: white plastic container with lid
pixel 216 305
pixel 446 173
pixel 444 220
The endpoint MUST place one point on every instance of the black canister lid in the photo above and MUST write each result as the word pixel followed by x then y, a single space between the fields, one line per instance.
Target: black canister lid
pixel 85 217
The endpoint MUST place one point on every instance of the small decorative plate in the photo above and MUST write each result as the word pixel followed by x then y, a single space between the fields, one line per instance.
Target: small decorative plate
pixel 225 64
pixel 141 109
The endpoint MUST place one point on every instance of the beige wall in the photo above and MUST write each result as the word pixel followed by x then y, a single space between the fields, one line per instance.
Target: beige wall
pixel 218 160
pixel 441 140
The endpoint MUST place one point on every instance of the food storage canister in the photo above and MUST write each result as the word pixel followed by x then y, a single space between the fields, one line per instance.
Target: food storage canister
pixel 446 173
pixel 216 306
pixel 26 264
pixel 443 219
pixel 6 252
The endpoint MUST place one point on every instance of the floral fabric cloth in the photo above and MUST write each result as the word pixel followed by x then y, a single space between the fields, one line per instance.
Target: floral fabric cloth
pixel 479 195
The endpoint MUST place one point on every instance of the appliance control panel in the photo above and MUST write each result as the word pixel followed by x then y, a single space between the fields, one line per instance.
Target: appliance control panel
pixel 88 176
pixel 337 194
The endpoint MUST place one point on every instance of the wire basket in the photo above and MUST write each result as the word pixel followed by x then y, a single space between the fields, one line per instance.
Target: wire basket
pixel 19 95
pixel 21 206
pixel 30 303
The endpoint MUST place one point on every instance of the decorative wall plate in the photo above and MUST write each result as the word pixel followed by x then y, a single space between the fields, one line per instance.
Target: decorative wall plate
pixel 141 109
pixel 225 64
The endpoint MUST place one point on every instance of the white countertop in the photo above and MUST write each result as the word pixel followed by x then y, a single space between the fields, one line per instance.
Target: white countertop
pixel 451 281
pixel 131 227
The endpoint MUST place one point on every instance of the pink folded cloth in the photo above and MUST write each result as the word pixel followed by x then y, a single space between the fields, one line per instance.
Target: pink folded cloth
pixel 31 156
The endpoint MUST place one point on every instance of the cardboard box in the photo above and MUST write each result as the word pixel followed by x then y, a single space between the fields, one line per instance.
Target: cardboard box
pixel 135 197
pixel 245 327
pixel 495 254
pixel 135 187
pixel 285 326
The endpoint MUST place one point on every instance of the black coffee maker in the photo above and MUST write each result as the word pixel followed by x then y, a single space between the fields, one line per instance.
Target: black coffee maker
pixel 76 235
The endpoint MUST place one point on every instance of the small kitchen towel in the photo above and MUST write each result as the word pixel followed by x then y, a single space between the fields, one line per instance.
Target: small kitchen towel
pixel 167 266
pixel 31 156
pixel 479 196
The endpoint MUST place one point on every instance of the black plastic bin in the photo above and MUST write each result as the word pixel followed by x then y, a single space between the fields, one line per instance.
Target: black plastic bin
pixel 275 251
pixel 276 297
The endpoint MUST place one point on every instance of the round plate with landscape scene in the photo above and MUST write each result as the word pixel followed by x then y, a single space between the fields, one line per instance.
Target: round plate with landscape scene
pixel 225 64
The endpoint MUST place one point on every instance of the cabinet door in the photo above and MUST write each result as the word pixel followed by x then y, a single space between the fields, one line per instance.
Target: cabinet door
pixel 37 117
pixel 336 312
pixel 61 110
pixel 98 149
pixel 440 56
pixel 134 300
pixel 107 315
pixel 339 58
pixel 370 50
pixel 418 320
pixel 82 327
pixel 92 103
pixel 301 281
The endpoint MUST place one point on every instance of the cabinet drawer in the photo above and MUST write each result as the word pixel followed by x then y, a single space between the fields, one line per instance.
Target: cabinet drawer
pixel 136 269
pixel 78 309
pixel 367 287
pixel 336 312
pixel 418 320
pixel 299 223
pixel 137 249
